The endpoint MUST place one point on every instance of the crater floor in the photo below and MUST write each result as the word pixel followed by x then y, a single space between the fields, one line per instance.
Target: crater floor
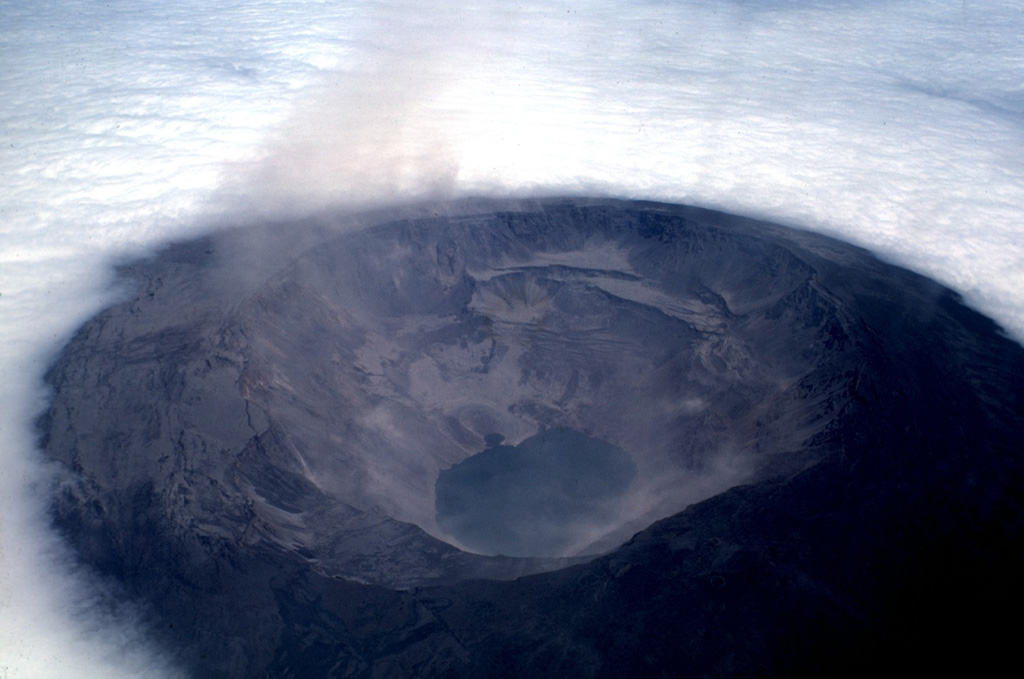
pixel 534 499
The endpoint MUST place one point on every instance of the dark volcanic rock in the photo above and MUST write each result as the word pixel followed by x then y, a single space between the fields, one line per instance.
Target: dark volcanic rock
pixel 823 471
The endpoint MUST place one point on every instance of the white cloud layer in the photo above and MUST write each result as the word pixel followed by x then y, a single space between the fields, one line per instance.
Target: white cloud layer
pixel 895 124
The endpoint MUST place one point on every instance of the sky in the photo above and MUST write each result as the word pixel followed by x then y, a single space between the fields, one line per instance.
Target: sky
pixel 897 125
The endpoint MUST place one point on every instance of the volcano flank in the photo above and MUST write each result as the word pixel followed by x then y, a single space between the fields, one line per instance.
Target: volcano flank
pixel 544 438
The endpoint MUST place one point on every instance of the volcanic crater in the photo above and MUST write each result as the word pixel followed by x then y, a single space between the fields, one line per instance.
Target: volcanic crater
pixel 368 430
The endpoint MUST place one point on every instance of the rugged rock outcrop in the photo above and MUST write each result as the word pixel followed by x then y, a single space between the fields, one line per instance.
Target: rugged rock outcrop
pixel 824 449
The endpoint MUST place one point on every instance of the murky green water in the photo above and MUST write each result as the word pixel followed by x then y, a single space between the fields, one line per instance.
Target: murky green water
pixel 540 498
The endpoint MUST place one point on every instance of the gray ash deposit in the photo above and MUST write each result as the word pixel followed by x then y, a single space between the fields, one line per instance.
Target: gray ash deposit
pixel 544 438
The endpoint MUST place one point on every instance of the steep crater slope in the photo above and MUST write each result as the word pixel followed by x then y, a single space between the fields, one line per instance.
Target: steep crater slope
pixel 268 419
